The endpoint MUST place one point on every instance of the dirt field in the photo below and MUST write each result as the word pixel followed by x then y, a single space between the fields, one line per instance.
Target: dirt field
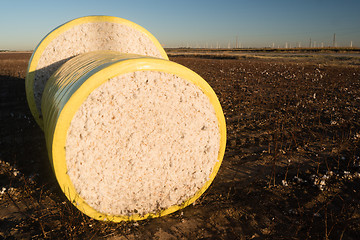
pixel 291 168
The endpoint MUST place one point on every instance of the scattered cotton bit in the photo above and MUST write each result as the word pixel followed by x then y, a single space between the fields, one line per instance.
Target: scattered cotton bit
pixel 16 173
pixel 284 183
pixel 357 135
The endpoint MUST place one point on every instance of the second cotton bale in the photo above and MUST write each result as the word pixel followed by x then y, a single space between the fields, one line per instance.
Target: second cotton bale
pixel 82 35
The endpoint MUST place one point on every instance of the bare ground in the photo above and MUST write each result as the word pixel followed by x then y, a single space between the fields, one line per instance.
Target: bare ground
pixel 290 171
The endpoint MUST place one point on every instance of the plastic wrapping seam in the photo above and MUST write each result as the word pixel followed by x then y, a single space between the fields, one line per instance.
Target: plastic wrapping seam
pixel 40 48
pixel 69 87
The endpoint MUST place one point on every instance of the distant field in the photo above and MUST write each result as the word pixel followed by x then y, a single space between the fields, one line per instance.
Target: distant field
pixel 268 50
pixel 337 56
pixel 291 169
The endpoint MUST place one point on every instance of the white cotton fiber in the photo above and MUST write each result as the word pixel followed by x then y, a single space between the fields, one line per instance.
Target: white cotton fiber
pixel 87 37
pixel 141 142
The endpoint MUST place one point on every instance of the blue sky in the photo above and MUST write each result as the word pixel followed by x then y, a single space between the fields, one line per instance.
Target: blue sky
pixel 256 23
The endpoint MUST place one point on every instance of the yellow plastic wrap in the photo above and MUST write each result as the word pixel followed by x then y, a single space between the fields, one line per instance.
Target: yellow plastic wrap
pixel 53 35
pixel 68 88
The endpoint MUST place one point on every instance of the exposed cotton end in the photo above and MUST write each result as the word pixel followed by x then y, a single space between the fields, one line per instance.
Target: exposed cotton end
pixel 87 37
pixel 142 142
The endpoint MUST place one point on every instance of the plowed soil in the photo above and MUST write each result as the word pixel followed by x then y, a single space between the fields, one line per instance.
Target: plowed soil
pixel 291 168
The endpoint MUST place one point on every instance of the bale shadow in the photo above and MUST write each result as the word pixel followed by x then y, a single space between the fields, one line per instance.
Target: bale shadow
pixel 22 141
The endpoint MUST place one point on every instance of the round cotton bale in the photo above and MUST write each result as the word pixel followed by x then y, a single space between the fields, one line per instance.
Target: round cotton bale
pixel 131 137
pixel 81 35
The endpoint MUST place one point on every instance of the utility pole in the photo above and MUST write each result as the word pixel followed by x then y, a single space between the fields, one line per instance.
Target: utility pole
pixel 334 41
pixel 310 43
pixel 237 44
